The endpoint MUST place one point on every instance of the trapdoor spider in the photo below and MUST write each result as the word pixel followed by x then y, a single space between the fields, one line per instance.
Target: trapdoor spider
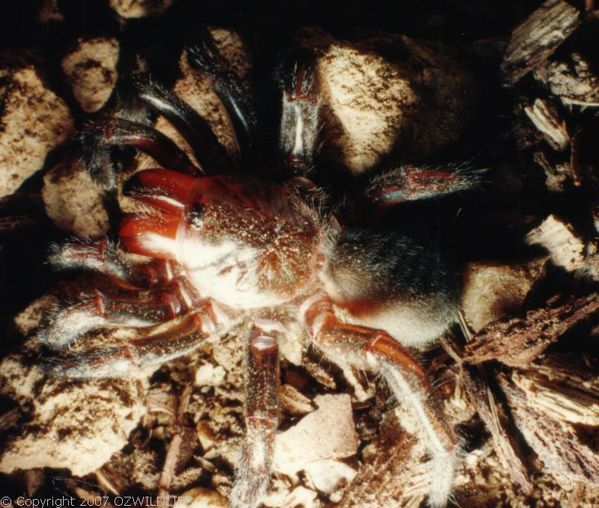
pixel 227 242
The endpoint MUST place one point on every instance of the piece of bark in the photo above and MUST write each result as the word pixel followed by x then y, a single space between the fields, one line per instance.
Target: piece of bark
pixel 293 401
pixel 492 414
pixel 557 175
pixel 518 341
pixel 537 37
pixel 547 120
pixel 571 79
pixel 565 247
pixel 385 479
pixel 554 441
pixel 571 369
pixel 557 400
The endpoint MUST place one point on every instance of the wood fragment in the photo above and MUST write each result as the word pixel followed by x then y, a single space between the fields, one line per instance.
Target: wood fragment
pixel 476 386
pixel 557 400
pixel 572 79
pixel 519 341
pixel 579 372
pixel 537 37
pixel 384 480
pixel 557 175
pixel 547 120
pixel 564 245
pixel 564 455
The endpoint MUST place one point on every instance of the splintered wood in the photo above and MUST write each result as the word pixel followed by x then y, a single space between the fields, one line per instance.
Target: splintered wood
pixel 537 37
pixel 476 385
pixel 554 441
pixel 546 119
pixel 518 341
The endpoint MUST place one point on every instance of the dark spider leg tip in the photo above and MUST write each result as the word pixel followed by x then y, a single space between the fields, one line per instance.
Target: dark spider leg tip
pixel 205 57
pixel 194 129
pixel 119 132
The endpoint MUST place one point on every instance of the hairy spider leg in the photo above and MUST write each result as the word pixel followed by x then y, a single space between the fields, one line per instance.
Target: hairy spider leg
pixel 204 56
pixel 299 128
pixel 253 472
pixel 119 133
pixel 414 183
pixel 376 349
pixel 101 309
pixel 195 130
pixel 179 339
pixel 103 256
pixel 165 293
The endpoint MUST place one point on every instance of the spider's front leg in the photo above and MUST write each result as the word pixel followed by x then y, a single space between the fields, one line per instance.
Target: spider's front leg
pixel 177 340
pixel 376 349
pixel 124 303
pixel 261 417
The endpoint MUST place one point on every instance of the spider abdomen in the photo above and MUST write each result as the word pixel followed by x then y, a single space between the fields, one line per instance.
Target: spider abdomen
pixel 393 280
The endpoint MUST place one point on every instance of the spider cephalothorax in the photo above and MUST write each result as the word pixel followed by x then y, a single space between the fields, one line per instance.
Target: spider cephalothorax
pixel 227 243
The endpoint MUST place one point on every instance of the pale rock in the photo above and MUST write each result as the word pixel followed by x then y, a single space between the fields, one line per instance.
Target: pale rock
pixel 33 122
pixel 374 104
pixel 90 70
pixel 327 433
pixel 18 380
pixel 209 375
pixel 76 425
pixel 493 290
pixel 73 201
pixel 327 475
pixel 139 8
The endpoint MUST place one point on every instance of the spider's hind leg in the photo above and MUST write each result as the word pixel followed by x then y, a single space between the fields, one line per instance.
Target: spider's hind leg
pixel 377 350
